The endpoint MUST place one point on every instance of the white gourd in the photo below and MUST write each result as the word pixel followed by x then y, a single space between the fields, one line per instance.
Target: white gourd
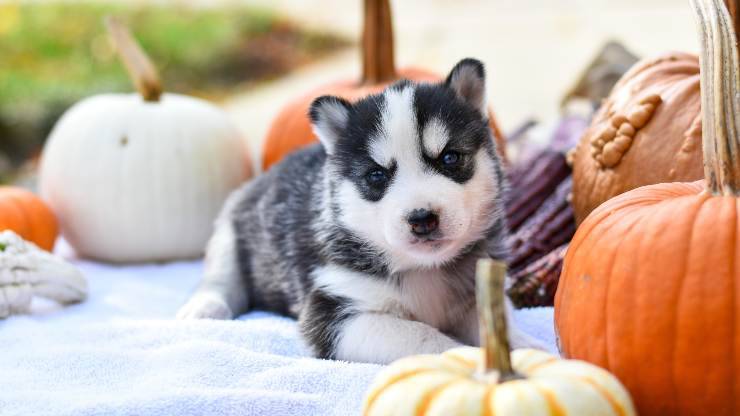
pixel 493 380
pixel 136 178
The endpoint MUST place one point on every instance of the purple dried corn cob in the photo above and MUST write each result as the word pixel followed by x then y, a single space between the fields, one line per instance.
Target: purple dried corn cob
pixel 529 188
pixel 551 226
pixel 535 285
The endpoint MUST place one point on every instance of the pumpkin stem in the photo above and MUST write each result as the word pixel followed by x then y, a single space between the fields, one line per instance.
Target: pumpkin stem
pixel 140 68
pixel 720 97
pixel 377 43
pixel 489 281
pixel 733 7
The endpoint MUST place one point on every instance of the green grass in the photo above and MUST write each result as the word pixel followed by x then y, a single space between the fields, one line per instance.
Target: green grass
pixel 53 54
pixel 54 50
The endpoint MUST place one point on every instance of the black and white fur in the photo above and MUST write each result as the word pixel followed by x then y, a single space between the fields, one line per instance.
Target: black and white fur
pixel 371 238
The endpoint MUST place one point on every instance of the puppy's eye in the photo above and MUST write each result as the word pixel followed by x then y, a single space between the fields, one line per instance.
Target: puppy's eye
pixel 376 177
pixel 450 158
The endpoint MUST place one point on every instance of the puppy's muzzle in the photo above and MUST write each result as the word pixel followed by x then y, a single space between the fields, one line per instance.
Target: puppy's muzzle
pixel 423 222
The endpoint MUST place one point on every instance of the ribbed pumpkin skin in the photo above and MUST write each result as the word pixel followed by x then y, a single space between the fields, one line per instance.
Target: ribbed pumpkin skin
pixel 447 385
pixel 26 214
pixel 666 149
pixel 648 291
pixel 291 128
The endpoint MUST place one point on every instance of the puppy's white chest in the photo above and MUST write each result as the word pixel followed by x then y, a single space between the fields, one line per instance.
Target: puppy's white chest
pixel 428 297
pixel 425 296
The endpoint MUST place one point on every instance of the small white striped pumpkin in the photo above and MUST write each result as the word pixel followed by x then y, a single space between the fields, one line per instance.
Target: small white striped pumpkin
pixel 451 384
pixel 493 380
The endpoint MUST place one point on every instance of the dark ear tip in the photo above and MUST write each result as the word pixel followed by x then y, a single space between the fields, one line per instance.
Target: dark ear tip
pixel 473 63
pixel 319 102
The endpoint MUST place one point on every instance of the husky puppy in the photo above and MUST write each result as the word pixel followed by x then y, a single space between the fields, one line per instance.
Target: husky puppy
pixel 370 239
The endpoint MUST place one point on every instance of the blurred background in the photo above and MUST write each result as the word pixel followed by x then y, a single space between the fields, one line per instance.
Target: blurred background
pixel 253 56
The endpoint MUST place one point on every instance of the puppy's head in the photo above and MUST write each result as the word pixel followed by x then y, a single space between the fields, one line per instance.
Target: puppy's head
pixel 413 170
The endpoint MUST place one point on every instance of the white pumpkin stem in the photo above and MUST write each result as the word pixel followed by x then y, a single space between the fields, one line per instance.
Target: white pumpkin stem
pixel 720 97
pixel 378 63
pixel 489 282
pixel 140 68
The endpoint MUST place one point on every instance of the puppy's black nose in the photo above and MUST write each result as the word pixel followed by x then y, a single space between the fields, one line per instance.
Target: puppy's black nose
pixel 423 222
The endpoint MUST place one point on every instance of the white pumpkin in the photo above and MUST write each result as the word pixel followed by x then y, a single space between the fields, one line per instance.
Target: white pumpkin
pixel 131 180
pixel 134 179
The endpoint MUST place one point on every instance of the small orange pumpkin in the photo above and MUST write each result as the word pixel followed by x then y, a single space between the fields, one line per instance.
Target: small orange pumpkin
pixel 291 128
pixel 651 281
pixel 647 131
pixel 28 216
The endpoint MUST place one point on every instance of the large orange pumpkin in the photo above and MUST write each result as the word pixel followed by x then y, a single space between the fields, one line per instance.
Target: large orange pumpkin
pixel 26 214
pixel 647 131
pixel 650 287
pixel 291 128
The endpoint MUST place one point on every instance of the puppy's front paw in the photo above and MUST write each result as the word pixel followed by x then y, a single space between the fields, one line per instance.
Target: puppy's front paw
pixel 205 306
pixel 438 344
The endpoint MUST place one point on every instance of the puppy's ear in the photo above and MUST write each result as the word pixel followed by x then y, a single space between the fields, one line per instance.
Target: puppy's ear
pixel 468 80
pixel 329 116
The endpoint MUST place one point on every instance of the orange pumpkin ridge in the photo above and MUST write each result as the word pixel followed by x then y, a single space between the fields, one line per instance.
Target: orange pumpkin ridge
pixel 28 216
pixel 12 216
pixel 25 216
pixel 37 220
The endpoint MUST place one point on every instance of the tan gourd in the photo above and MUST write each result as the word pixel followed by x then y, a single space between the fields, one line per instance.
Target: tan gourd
pixel 647 131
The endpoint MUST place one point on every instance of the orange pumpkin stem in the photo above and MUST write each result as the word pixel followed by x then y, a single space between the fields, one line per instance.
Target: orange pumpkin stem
pixel 140 68
pixel 494 338
pixel 378 64
pixel 720 97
